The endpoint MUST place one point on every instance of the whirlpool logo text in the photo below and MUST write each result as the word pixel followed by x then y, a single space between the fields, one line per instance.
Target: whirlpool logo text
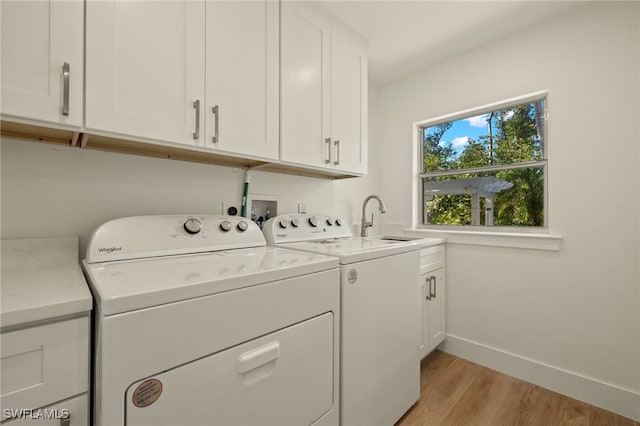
pixel 108 250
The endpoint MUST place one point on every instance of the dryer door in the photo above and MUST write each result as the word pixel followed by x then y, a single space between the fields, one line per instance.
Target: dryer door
pixel 284 378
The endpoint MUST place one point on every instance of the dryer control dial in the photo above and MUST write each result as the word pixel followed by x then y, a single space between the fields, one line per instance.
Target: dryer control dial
pixel 330 221
pixel 192 226
pixel 225 226
pixel 295 222
pixel 313 221
pixel 283 223
pixel 242 226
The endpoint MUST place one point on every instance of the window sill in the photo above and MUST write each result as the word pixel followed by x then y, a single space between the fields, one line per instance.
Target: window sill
pixel 491 239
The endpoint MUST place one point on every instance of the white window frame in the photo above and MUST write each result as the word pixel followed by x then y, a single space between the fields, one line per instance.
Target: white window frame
pixel 506 236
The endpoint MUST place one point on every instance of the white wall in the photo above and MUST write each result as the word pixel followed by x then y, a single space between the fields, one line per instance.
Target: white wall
pixel 568 320
pixel 49 190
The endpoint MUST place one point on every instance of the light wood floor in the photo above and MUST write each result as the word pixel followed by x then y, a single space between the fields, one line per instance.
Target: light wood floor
pixel 457 392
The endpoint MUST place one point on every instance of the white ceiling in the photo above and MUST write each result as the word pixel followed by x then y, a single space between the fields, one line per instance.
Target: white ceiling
pixel 405 36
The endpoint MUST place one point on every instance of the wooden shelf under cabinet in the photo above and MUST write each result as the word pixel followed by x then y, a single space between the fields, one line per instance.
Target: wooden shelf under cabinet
pixel 72 138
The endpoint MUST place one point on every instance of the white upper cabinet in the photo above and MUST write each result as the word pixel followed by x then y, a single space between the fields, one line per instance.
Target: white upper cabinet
pixel 42 63
pixel 304 106
pixel 278 81
pixel 324 92
pixel 242 53
pixel 145 69
pixel 348 103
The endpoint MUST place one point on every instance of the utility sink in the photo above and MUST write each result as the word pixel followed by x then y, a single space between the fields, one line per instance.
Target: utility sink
pixel 424 242
pixel 396 238
pixel 391 239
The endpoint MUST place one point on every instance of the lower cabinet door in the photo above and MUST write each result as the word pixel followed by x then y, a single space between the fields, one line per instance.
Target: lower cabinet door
pixel 437 310
pixel 433 310
pixel 283 378
pixel 44 364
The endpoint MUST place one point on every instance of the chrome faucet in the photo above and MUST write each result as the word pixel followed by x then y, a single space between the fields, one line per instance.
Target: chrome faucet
pixel 365 224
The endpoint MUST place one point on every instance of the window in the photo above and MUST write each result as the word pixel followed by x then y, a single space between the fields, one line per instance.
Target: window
pixel 486 167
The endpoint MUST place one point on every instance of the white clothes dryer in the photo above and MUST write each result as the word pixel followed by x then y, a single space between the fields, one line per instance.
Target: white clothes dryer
pixel 198 322
pixel 380 314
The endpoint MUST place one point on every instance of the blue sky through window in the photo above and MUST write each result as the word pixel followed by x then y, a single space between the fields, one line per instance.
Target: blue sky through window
pixel 465 129
pixel 462 130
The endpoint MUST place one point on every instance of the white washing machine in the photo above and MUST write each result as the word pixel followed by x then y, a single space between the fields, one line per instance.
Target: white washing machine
pixel 198 322
pixel 380 314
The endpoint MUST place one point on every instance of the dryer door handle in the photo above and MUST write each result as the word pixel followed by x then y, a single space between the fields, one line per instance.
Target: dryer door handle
pixel 263 355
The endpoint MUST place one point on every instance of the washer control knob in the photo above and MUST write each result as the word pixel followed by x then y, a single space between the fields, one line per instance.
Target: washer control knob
pixel 295 222
pixel 192 226
pixel 242 226
pixel 330 221
pixel 313 221
pixel 338 221
pixel 283 223
pixel 225 226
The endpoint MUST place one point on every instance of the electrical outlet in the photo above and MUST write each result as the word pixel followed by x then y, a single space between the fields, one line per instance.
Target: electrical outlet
pixel 302 208
pixel 231 208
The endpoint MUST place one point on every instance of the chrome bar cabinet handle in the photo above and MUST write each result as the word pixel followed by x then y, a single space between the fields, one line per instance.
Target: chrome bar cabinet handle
pixel 428 291
pixel 215 110
pixel 337 145
pixel 328 142
pixel 196 105
pixel 66 76
pixel 433 279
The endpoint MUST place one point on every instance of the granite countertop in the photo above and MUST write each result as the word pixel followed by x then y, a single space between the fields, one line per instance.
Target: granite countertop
pixel 41 280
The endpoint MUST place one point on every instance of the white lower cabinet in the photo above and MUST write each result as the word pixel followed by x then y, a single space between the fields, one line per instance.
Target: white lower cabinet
pixel 45 374
pixel 433 286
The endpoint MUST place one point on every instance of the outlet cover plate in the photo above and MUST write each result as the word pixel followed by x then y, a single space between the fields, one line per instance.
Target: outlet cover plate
pixel 229 205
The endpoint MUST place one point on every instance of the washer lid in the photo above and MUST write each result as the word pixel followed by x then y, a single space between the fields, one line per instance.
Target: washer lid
pixel 127 285
pixel 355 249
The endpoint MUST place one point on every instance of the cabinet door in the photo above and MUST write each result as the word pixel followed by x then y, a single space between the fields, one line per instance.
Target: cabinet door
pixel 437 309
pixel 304 103
pixel 242 45
pixel 348 104
pixel 38 39
pixel 145 69
pixel 43 364
pixel 433 313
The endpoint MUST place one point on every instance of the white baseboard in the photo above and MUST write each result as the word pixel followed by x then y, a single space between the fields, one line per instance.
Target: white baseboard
pixel 610 397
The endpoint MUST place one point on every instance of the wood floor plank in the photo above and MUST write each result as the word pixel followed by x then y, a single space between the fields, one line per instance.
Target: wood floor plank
pixel 456 392
pixel 445 379
pixel 481 400
pixel 602 417
pixel 521 409
pixel 537 406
